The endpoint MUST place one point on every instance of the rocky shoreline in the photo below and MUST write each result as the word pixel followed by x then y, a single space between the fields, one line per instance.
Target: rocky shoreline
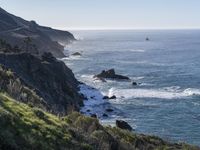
pixel 40 98
pixel 52 87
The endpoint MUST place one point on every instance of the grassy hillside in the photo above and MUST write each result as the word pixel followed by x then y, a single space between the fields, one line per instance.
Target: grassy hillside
pixel 23 128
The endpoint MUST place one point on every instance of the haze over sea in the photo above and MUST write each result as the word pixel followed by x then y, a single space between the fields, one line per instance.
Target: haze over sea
pixel 167 100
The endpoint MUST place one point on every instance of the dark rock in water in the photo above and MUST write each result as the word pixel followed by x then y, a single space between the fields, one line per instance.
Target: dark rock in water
pixel 147 39
pixel 105 115
pixel 88 110
pixel 134 83
pixel 105 97
pixel 123 125
pixel 83 96
pixel 76 54
pixel 109 110
pixel 92 97
pixel 93 115
pixel 110 74
pixel 113 97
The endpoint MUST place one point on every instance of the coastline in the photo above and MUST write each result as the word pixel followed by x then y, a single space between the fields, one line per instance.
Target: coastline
pixel 143 91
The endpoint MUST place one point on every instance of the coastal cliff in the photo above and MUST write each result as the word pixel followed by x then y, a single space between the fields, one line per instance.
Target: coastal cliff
pixel 49 78
pixel 31 37
pixel 40 100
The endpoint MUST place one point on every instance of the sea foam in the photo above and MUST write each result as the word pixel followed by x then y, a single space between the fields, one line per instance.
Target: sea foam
pixel 153 93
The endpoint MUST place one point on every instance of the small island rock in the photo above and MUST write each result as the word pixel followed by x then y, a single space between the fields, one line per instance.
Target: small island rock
pixel 110 74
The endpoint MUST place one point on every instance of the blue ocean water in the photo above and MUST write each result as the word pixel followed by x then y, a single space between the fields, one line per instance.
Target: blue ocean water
pixel 167 101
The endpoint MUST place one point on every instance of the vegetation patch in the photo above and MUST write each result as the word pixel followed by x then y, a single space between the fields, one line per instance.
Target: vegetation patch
pixel 23 128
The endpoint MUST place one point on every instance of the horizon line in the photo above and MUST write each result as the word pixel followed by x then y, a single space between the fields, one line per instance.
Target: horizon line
pixel 93 29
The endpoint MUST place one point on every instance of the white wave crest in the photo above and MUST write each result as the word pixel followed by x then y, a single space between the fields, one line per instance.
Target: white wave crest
pixel 192 91
pixel 153 93
pixel 138 50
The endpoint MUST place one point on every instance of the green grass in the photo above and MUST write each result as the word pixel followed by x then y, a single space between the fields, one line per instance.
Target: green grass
pixel 31 127
pixel 23 128
pixel 11 84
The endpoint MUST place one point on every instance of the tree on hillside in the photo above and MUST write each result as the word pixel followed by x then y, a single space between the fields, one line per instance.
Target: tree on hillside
pixel 29 46
pixel 4 46
pixel 16 49
pixel 27 42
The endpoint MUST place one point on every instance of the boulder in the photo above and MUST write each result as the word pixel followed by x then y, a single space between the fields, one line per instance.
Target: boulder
pixel 110 74
pixel 123 125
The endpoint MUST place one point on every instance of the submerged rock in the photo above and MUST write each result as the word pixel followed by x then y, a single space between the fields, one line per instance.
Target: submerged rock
pixel 105 115
pixel 123 125
pixel 113 97
pixel 110 74
pixel 93 115
pixel 77 54
pixel 134 83
pixel 105 97
pixel 109 110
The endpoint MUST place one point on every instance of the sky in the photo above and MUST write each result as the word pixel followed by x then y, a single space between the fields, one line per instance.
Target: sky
pixel 108 14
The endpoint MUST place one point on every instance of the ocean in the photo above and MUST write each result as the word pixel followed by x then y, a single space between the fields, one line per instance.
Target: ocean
pixel 166 102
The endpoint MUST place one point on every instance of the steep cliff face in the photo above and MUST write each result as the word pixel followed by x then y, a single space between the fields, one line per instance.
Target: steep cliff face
pixel 16 30
pixel 49 78
pixel 11 84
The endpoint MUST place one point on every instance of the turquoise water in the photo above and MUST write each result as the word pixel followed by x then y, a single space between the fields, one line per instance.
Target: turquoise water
pixel 167 101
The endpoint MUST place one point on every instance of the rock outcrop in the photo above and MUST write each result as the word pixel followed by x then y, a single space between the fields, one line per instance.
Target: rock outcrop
pixel 49 78
pixel 110 74
pixel 123 125
pixel 31 37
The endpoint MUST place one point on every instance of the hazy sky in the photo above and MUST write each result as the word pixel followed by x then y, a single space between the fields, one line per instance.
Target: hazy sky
pixel 101 14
